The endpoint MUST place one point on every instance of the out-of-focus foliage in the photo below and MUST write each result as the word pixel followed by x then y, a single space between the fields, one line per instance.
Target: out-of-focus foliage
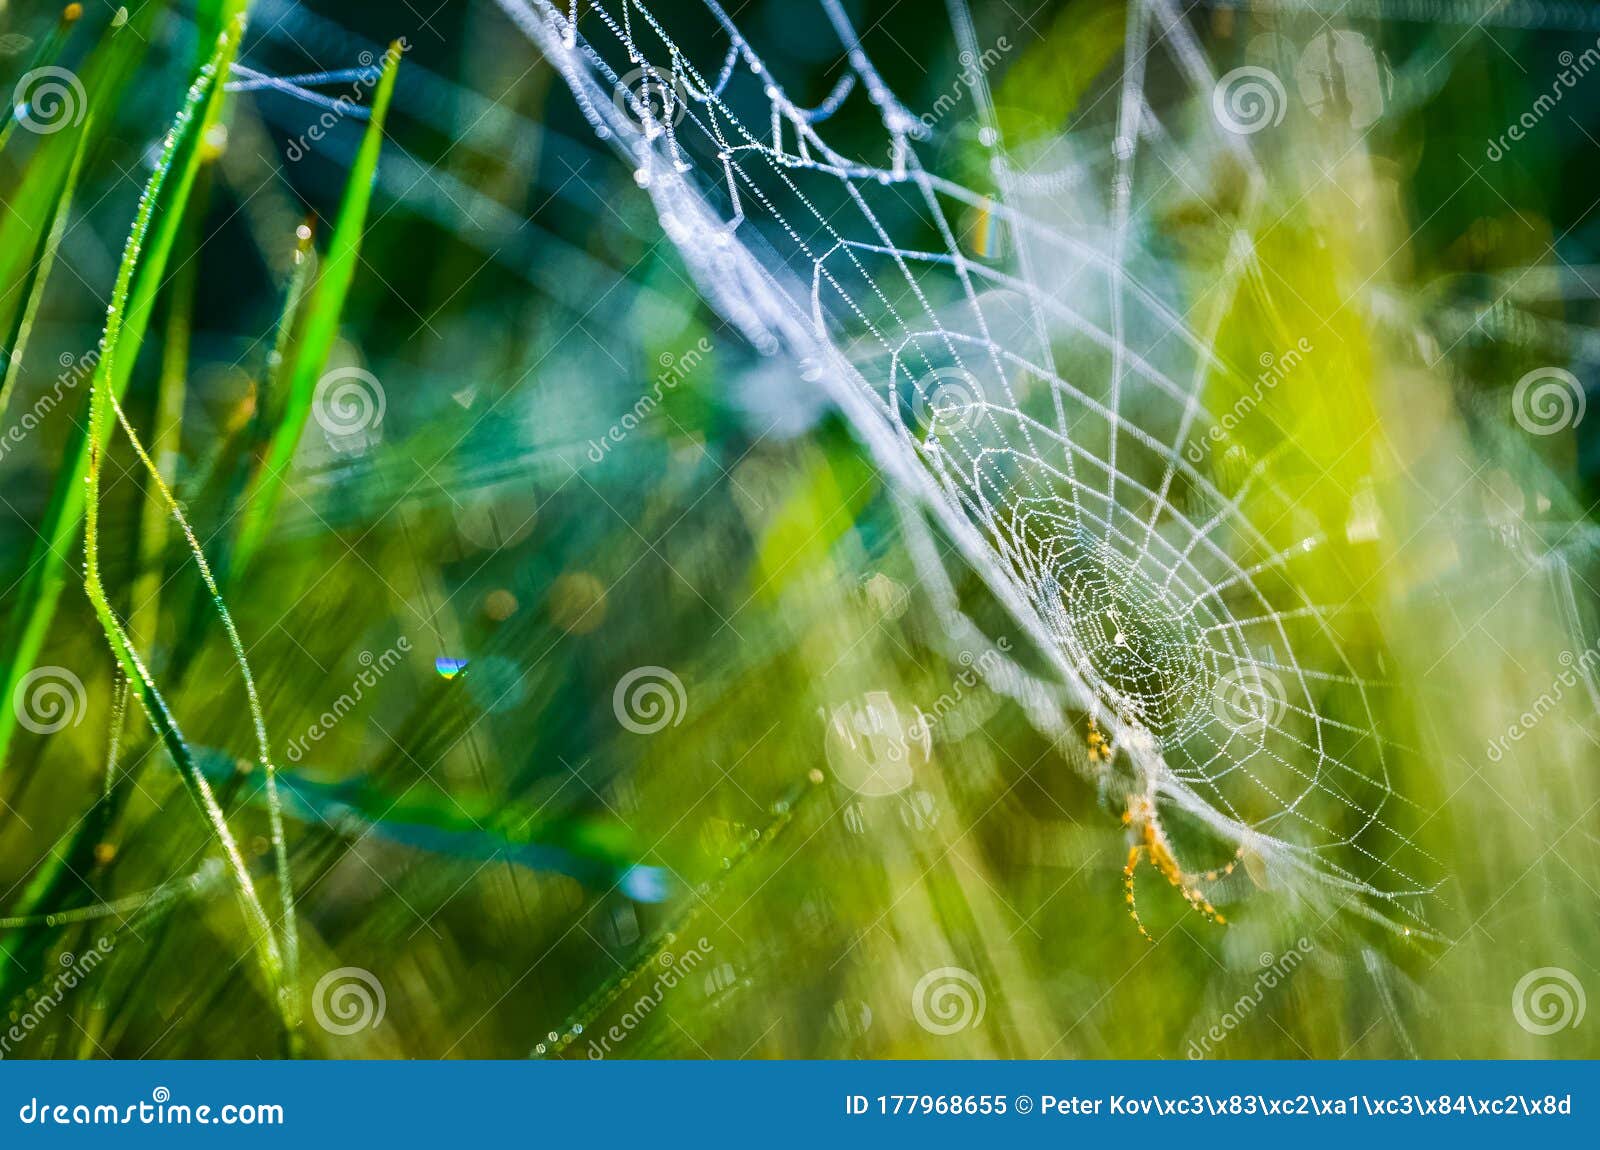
pixel 588 640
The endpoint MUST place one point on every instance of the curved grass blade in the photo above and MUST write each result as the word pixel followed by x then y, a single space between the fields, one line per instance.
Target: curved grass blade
pixel 172 385
pixel 201 109
pixel 200 881
pixel 321 322
pixel 40 591
pixel 291 943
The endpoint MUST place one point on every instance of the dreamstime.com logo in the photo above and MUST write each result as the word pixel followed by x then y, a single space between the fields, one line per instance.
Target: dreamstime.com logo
pixel 1548 400
pixel 652 99
pixel 350 404
pixel 1547 1000
pixel 1248 99
pixel 348 1000
pixel 46 100
pixel 49 699
pixel 948 1000
pixel 160 1110
pixel 949 402
pixel 649 699
pixel 1249 699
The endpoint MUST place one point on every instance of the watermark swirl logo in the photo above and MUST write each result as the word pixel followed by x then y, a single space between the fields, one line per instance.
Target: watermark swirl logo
pixel 1548 400
pixel 348 401
pixel 1248 99
pixel 49 699
pixel 1547 1000
pixel 47 100
pixel 651 98
pixel 649 699
pixel 948 1000
pixel 949 401
pixel 348 1000
pixel 1249 699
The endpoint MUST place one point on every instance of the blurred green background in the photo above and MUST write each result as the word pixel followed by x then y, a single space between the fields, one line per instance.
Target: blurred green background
pixel 583 481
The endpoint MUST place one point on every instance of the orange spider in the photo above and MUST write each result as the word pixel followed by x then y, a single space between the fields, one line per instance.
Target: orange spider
pixel 1147 838
pixel 1099 746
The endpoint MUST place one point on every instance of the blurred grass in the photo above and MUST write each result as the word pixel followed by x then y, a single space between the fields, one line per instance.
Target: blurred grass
pixel 492 845
pixel 200 112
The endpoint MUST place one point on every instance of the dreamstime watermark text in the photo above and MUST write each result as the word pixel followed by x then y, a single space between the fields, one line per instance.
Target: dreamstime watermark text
pixel 672 970
pixel 1276 969
pixel 973 69
pixel 74 370
pixel 675 369
pixel 75 969
pixel 1274 370
pixel 1573 69
pixel 347 103
pixel 159 1110
pixel 1576 669
pixel 373 669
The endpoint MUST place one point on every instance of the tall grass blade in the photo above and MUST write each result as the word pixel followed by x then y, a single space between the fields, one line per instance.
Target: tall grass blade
pixel 40 592
pixel 321 323
pixel 166 435
pixel 31 203
pixel 200 109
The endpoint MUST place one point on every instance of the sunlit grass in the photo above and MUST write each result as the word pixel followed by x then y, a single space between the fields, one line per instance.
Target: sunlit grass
pixel 385 669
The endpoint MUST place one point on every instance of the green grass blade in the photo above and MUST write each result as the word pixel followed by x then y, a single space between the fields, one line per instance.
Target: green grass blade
pixel 200 110
pixel 31 203
pixel 167 504
pixel 120 908
pixel 48 564
pixel 260 496
pixel 321 323
pixel 166 436
pixel 291 945
pixel 11 368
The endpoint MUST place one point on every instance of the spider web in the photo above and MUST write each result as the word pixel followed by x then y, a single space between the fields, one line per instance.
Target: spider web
pixel 1034 394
